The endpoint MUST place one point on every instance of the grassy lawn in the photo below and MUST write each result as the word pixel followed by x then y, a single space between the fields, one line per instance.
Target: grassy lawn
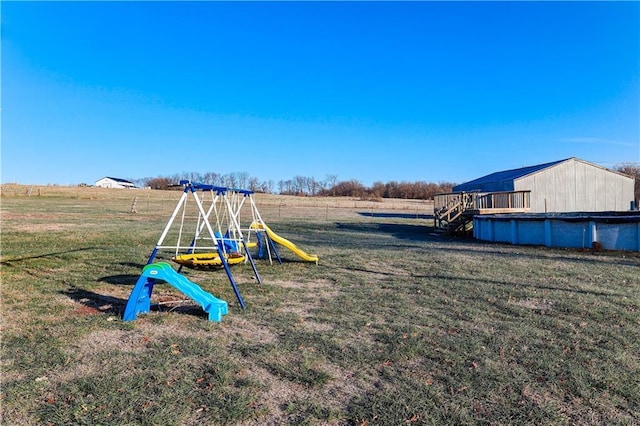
pixel 396 325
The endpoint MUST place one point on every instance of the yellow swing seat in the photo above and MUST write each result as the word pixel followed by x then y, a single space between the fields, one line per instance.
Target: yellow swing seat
pixel 206 260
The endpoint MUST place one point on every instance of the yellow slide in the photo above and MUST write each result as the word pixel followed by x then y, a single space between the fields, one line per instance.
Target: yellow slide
pixel 288 244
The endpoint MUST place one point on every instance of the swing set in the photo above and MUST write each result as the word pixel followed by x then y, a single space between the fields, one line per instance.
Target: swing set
pixel 218 241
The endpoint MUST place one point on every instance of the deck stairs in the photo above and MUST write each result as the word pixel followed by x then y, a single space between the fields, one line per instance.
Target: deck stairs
pixel 454 212
pixel 454 216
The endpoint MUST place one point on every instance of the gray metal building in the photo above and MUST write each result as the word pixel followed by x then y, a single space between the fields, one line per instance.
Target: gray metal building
pixel 570 185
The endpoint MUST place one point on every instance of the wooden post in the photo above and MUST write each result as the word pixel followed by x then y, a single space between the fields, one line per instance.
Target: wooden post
pixel 134 208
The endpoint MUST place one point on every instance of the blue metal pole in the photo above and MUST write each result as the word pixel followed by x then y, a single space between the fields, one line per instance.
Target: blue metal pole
pixel 228 271
pixel 273 247
pixel 253 265
pixel 153 256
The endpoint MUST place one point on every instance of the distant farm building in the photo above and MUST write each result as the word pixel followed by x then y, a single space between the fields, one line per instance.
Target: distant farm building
pixel 570 185
pixel 111 182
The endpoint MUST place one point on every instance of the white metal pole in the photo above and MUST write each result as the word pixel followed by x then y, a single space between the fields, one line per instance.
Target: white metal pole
pixel 205 218
pixel 173 217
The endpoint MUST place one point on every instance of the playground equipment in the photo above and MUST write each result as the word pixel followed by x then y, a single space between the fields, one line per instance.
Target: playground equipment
pixel 218 241
pixel 284 242
pixel 140 299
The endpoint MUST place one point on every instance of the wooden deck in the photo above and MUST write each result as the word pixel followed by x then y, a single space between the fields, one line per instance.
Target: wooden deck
pixel 454 212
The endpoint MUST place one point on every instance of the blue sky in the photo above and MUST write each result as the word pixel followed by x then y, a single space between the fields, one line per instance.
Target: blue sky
pixel 373 91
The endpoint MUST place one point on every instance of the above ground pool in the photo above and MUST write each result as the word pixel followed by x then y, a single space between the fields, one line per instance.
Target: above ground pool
pixel 611 230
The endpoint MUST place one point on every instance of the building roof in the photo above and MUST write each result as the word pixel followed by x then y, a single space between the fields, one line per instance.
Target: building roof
pixel 502 181
pixel 118 179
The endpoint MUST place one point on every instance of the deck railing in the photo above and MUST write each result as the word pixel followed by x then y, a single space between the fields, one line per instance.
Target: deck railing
pixel 503 200
pixel 483 200
pixel 449 209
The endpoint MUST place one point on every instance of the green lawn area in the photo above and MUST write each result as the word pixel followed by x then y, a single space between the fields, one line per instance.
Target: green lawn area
pixel 396 325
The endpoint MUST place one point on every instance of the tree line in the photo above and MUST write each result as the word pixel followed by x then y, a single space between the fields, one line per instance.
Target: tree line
pixel 230 180
pixel 304 185
pixel 331 186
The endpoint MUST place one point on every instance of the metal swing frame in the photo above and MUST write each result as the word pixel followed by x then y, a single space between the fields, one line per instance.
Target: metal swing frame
pixel 204 225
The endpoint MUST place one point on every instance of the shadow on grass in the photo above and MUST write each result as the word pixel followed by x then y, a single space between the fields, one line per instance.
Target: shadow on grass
pixel 468 245
pixel 123 279
pixel 479 281
pixel 412 232
pixel 293 259
pixel 96 303
pixel 8 262
pixel 544 253
pixel 397 215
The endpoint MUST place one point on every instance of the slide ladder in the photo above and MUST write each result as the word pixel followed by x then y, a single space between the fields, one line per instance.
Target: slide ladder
pixel 140 298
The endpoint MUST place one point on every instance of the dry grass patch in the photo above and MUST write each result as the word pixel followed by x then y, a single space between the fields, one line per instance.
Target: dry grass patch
pixel 273 400
pixel 248 330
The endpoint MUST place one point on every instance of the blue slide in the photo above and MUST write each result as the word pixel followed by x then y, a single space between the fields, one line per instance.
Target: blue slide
pixel 140 299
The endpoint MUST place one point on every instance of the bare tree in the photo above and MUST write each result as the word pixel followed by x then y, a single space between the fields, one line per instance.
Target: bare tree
pixel 267 186
pixel 631 170
pixel 241 179
pixel 331 182
pixel 210 178
pixel 254 184
pixel 286 187
pixel 314 186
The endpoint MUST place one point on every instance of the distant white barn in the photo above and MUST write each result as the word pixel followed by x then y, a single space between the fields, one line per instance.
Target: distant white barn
pixel 111 182
pixel 570 185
